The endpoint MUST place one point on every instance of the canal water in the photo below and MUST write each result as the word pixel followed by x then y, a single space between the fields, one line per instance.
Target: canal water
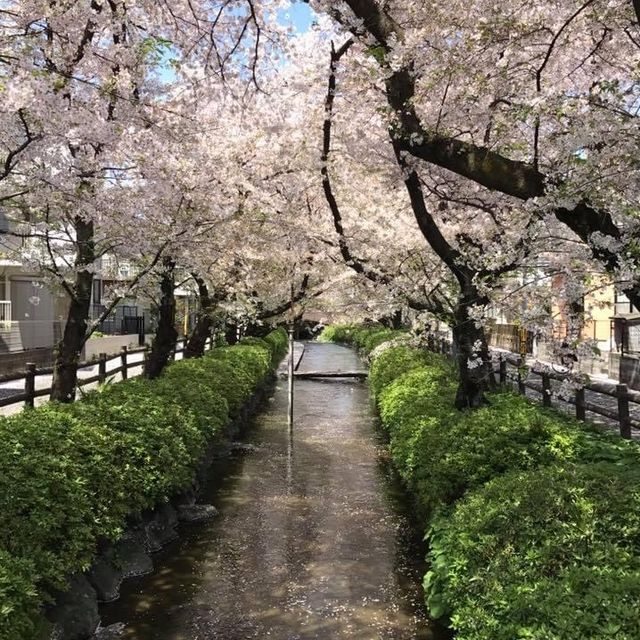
pixel 314 537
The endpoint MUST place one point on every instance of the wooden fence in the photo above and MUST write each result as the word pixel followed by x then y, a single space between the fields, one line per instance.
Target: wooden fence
pixel 615 402
pixel 30 392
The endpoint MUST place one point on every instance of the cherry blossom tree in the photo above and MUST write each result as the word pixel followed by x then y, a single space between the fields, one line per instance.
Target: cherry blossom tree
pixel 85 85
pixel 507 99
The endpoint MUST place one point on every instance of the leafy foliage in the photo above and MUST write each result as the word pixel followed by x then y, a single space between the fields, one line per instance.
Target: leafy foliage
pixel 533 518
pixel 278 342
pixel 337 333
pixel 19 598
pixel 364 337
pixel 444 453
pixel 396 361
pixel 72 474
pixel 546 553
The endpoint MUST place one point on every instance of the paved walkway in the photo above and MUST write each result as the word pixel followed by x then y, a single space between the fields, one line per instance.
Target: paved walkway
pixel 606 402
pixel 15 387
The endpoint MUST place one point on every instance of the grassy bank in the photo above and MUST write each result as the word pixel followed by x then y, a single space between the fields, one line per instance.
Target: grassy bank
pixel 532 518
pixel 71 475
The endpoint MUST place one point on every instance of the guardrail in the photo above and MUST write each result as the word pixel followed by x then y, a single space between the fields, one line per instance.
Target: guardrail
pixel 5 314
pixel 30 392
pixel 619 396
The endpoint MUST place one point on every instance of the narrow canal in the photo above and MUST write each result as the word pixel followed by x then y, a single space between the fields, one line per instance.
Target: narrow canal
pixel 313 539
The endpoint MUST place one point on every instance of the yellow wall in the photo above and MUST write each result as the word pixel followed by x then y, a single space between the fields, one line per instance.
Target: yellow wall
pixel 599 305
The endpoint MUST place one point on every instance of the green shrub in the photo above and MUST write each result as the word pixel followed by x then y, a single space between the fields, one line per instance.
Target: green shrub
pixel 415 402
pixel 73 474
pixel 19 599
pixel 337 333
pixel 364 337
pixel 240 369
pixel 452 452
pixel 278 340
pixel 367 338
pixel 253 341
pixel 534 518
pixel 396 361
pixel 232 383
pixel 421 392
pixel 252 360
pixel 206 382
pixel 156 443
pixel 550 553
pixel 46 509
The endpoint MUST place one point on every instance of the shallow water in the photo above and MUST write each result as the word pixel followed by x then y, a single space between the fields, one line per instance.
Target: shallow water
pixel 313 539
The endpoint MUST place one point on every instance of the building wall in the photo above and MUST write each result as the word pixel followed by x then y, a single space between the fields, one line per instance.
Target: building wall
pixel 111 345
pixel 32 307
pixel 600 305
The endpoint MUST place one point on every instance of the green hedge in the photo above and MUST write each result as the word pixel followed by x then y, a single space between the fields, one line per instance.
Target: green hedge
pixel 72 474
pixel 549 553
pixel 338 333
pixel 278 340
pixel 365 338
pixel 533 518
pixel 396 361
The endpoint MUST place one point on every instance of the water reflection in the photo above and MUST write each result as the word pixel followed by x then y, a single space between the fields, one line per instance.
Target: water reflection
pixel 312 541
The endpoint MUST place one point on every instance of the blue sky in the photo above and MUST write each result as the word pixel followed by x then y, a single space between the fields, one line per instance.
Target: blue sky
pixel 300 15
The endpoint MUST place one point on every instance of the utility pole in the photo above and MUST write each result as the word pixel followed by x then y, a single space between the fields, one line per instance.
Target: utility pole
pixel 291 367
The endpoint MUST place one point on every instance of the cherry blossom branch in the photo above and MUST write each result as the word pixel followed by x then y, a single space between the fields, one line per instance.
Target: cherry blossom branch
pixel 131 286
pixel 11 159
pixel 434 305
pixel 350 260
pixel 488 168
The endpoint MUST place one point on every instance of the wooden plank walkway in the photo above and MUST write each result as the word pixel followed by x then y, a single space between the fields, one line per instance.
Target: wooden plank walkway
pixel 331 374
pixel 298 352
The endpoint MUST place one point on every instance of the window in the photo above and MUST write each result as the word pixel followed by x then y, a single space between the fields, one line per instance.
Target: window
pixel 97 292
pixel 622 304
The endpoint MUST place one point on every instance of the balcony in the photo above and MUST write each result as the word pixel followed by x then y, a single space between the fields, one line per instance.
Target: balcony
pixel 5 315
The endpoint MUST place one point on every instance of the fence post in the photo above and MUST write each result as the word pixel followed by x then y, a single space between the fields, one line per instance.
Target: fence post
pixel 546 390
pixel 581 408
pixel 141 332
pixel 102 368
pixel 503 370
pixel 623 411
pixel 123 357
pixel 521 388
pixel 30 385
pixel 443 347
pixel 431 344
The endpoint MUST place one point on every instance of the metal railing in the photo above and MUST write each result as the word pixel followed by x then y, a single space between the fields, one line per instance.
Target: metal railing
pixel 611 401
pixel 124 365
pixel 5 314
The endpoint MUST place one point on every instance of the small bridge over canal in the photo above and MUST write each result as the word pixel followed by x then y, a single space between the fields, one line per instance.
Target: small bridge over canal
pixel 298 355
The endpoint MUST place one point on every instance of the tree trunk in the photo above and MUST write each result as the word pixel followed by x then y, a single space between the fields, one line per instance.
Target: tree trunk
pixel 67 355
pixel 202 330
pixel 231 333
pixel 575 319
pixel 474 362
pixel 166 335
pixel 393 321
